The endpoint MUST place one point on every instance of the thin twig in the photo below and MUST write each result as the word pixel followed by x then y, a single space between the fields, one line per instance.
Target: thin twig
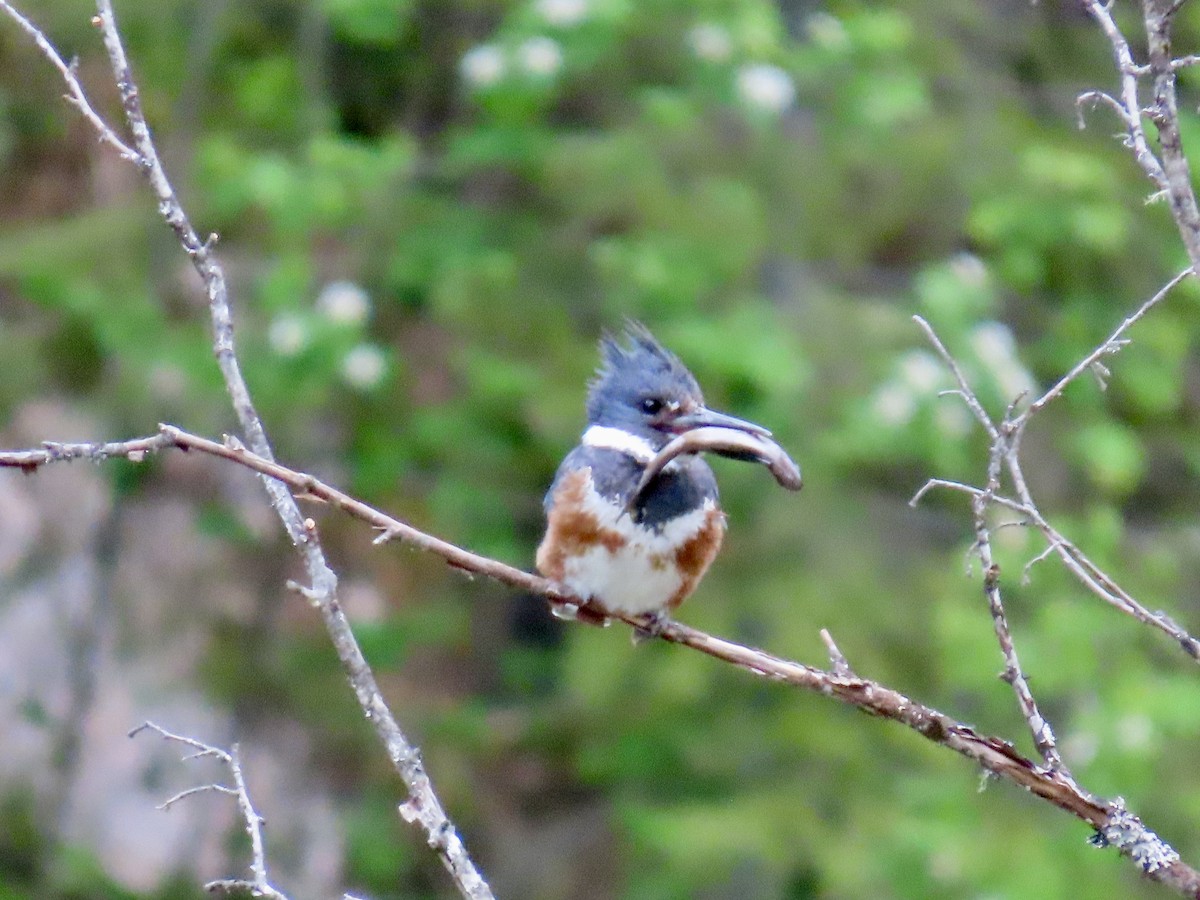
pixel 75 94
pixel 1108 347
pixel 1014 675
pixel 1170 174
pixel 1084 569
pixel 1000 437
pixel 1158 17
pixel 837 659
pixel 258 884
pixel 964 386
pixel 1130 106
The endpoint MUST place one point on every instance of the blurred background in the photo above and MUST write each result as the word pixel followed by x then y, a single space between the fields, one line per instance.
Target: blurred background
pixel 428 211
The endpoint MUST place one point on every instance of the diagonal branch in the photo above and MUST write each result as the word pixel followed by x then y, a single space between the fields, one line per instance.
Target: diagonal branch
pixel 1169 172
pixel 1001 437
pixel 1129 107
pixel 1159 16
pixel 1114 824
pixel 1114 344
pixel 75 94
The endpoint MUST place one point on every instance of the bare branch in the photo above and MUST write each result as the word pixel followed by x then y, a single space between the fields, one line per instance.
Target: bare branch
pixel 32 460
pixel 1111 346
pixel 1039 727
pixel 75 94
pixel 841 666
pixel 1159 17
pixel 258 885
pixel 1171 174
pixel 965 390
pixel 1129 107
pixel 1097 98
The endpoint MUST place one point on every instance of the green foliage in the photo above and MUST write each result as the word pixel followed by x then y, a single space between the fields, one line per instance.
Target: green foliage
pixel 429 212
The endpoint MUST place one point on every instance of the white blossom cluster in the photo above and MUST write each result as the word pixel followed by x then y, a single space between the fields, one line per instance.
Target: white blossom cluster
pixel 759 85
pixel 343 305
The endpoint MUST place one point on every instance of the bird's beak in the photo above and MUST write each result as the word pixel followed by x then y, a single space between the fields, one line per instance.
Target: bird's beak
pixel 703 417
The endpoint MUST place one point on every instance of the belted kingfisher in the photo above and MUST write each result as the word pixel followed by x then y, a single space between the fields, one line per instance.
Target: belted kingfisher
pixel 644 554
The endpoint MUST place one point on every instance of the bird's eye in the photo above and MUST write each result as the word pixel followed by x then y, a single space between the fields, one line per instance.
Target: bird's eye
pixel 652 406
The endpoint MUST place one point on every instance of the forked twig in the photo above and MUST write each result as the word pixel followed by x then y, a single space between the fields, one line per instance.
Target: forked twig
pixel 258 884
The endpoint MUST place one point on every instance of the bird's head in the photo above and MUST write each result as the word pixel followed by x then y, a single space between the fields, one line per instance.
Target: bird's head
pixel 643 389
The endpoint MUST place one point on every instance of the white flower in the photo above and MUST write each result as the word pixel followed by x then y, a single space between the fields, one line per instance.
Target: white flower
pixel 344 303
pixel 921 371
pixel 993 343
pixel 288 334
pixel 1081 748
pixel 710 42
pixel 970 269
pixel 364 366
pixel 895 405
pixel 996 348
pixel 168 381
pixel 952 419
pixel 1135 732
pixel 482 65
pixel 827 31
pixel 562 13
pixel 766 86
pixel 540 56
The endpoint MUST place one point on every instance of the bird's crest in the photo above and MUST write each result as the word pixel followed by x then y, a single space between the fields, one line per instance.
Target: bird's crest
pixel 633 362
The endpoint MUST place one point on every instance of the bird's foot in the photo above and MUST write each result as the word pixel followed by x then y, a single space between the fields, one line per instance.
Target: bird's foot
pixel 652 626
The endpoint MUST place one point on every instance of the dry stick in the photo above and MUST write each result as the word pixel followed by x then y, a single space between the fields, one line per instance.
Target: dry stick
pixel 1164 112
pixel 1110 347
pixel 1129 107
pixel 1171 174
pixel 1115 825
pixel 75 96
pixel 1091 575
pixel 1039 728
pixel 422 805
pixel 258 885
pixel 1086 571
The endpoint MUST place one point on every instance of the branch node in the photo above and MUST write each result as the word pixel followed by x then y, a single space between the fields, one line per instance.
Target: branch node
pixel 385 535
pixel 313 596
pixel 841 666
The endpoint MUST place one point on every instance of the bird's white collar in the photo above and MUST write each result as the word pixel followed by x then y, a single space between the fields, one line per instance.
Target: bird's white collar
pixel 604 437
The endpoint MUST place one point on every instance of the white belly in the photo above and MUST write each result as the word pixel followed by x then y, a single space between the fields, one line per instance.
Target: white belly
pixel 642 575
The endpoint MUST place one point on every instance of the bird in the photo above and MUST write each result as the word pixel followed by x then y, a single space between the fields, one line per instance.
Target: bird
pixel 630 552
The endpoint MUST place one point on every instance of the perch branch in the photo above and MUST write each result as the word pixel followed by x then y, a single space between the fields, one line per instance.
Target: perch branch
pixel 1114 824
